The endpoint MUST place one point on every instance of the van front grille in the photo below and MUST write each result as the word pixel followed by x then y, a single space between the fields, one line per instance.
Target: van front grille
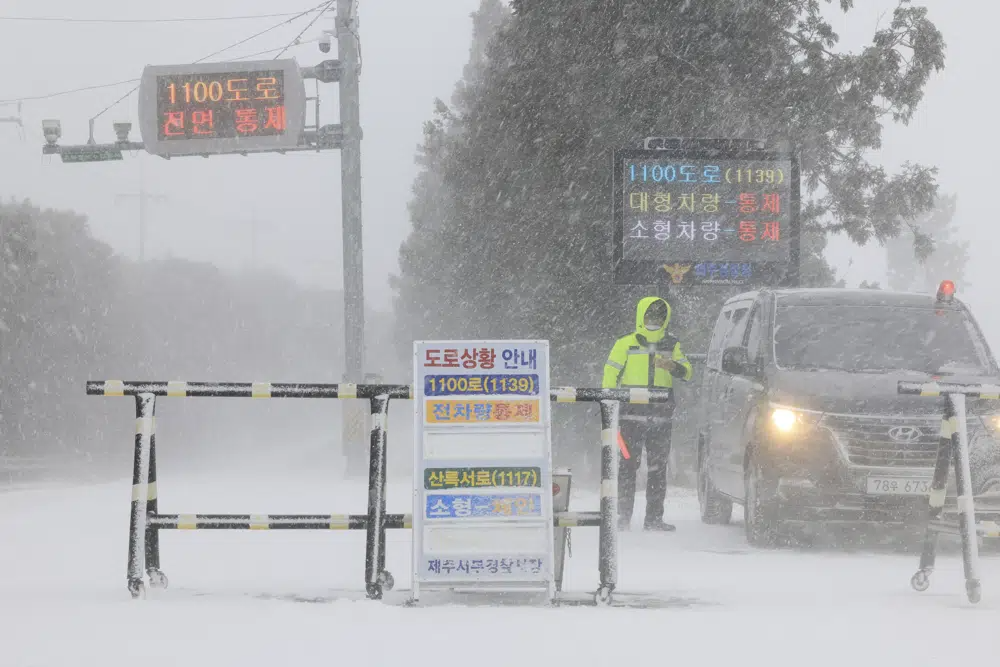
pixel 870 441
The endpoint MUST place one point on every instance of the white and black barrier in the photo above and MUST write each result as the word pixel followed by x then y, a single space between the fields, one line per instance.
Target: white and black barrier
pixel 953 453
pixel 146 521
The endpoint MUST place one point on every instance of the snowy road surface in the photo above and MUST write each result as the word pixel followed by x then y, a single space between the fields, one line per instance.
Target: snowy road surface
pixel 294 598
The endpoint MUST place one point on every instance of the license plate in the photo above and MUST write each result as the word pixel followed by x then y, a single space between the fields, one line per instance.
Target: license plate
pixel 899 486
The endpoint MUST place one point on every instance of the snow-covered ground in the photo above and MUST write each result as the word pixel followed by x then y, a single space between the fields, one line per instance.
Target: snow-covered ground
pixel 294 598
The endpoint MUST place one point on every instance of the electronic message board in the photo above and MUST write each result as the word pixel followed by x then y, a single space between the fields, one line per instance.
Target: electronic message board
pixel 218 108
pixel 699 215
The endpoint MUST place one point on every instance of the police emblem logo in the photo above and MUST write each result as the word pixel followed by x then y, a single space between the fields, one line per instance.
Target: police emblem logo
pixel 677 272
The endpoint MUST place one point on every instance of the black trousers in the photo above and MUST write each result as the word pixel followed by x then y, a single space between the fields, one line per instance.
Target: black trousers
pixel 654 437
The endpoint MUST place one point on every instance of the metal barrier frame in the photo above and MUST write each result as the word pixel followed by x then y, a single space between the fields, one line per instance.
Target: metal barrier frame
pixel 145 520
pixel 953 451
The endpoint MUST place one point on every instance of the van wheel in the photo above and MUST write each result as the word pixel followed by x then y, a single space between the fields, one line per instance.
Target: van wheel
pixel 989 482
pixel 760 511
pixel 714 508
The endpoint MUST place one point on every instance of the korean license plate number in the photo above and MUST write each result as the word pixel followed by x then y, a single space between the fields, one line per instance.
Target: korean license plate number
pixel 899 486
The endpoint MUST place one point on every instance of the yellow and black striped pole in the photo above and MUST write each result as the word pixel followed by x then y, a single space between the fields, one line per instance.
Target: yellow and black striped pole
pixel 953 451
pixel 608 538
pixel 377 578
pixel 145 405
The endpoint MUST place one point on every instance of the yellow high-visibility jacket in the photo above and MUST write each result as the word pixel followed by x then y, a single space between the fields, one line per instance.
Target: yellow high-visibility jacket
pixel 632 359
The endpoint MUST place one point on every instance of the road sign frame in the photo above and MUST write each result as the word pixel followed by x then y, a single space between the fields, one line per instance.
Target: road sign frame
pixel 647 272
pixel 294 99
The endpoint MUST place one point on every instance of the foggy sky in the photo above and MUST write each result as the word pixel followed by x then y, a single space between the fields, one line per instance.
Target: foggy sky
pixel 413 51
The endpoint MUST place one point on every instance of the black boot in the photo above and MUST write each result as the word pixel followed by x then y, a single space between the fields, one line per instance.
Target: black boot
pixel 658 525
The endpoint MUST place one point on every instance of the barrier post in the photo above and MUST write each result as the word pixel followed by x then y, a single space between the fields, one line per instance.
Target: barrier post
pixel 156 577
pixel 608 537
pixel 376 577
pixel 953 450
pixel 966 506
pixel 145 406
pixel 937 495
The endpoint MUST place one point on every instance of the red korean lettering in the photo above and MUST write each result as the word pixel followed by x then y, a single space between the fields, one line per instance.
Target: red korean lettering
pixel 451 359
pixel 432 358
pixel 275 118
pixel 174 125
pixel 202 123
pixel 748 202
pixel 772 203
pixel 748 231
pixel 771 231
pixel 487 357
pixel 246 120
pixel 469 358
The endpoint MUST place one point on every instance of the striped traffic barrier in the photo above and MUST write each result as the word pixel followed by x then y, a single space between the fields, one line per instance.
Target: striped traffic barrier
pixel 145 520
pixel 953 452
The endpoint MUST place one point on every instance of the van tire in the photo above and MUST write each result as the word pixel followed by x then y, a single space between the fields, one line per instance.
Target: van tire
pixel 715 509
pixel 760 511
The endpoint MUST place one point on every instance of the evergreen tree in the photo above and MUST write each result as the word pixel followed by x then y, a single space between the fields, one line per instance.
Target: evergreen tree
pixel 512 213
pixel 929 251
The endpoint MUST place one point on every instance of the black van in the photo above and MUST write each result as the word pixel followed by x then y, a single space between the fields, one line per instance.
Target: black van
pixel 800 419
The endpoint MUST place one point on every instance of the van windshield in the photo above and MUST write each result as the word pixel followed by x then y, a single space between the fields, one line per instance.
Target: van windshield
pixel 876 338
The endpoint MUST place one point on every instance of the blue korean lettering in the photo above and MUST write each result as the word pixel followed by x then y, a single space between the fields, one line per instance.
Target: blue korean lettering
pixel 712 174
pixel 439 507
pixel 699 270
pixel 434 566
pixel 688 173
pixel 483 411
pixel 442 412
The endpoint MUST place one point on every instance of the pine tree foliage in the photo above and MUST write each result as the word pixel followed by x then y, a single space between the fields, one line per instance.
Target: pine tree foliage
pixel 929 250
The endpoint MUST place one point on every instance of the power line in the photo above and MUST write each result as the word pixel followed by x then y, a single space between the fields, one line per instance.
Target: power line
pixel 321 6
pixel 303 31
pixel 190 19
pixel 67 92
pixel 84 89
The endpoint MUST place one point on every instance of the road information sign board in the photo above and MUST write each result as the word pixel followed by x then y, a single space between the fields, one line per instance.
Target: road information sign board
pixel 482 499
pixel 706 212
pixel 218 108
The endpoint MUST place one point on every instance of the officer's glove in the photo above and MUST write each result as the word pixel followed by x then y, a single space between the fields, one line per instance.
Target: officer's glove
pixel 665 364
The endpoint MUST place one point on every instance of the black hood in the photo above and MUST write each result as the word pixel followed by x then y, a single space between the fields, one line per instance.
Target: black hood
pixel 864 393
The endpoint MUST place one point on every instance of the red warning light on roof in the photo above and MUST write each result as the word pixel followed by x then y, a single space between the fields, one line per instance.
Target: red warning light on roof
pixel 947 288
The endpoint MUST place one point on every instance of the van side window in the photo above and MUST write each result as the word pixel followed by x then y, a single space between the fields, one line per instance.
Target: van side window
pixel 753 335
pixel 735 337
pixel 714 357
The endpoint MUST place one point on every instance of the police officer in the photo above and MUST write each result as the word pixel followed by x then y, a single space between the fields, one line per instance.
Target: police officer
pixel 648 357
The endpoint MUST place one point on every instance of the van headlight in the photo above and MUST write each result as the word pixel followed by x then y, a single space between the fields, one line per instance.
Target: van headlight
pixel 785 419
pixel 992 425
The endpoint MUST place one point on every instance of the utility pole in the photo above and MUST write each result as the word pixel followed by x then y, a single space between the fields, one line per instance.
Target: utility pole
pixel 350 178
pixel 253 242
pixel 143 198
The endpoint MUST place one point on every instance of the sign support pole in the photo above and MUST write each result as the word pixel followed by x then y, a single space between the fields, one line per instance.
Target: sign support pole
pixel 350 178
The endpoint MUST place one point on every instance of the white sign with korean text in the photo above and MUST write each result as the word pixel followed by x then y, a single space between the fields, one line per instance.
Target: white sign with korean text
pixel 482 492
